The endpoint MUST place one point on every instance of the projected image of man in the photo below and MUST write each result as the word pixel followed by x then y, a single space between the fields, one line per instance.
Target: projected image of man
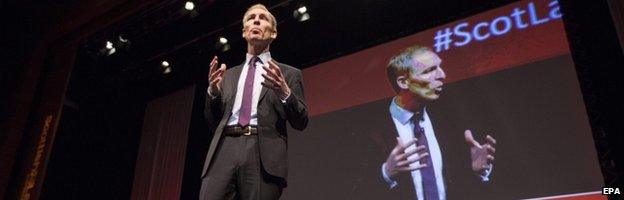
pixel 417 78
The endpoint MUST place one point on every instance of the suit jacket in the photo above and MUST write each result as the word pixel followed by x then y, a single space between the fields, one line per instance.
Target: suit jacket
pixel 272 116
pixel 460 181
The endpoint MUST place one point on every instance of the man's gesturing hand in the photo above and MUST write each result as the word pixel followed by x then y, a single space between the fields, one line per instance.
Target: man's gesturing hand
pixel 275 80
pixel 482 155
pixel 215 76
pixel 399 161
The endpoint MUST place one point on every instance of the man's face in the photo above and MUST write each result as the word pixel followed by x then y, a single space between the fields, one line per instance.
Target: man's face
pixel 425 81
pixel 257 27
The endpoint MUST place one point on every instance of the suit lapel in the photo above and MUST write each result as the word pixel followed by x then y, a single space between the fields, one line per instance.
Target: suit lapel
pixel 441 135
pixel 389 125
pixel 262 93
pixel 234 81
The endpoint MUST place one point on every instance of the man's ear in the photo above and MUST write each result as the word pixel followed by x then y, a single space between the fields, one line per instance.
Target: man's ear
pixel 402 82
pixel 243 33
pixel 274 34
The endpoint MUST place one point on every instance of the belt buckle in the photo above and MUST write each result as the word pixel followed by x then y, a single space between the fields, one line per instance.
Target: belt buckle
pixel 247 131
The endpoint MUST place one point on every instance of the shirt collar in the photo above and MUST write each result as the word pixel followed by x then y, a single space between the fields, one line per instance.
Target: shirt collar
pixel 401 114
pixel 264 57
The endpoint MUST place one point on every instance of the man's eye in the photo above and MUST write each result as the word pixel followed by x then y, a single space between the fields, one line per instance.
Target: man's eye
pixel 251 17
pixel 430 69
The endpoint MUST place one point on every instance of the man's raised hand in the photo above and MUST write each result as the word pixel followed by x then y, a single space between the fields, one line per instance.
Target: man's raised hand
pixel 275 80
pixel 215 76
pixel 482 155
pixel 399 161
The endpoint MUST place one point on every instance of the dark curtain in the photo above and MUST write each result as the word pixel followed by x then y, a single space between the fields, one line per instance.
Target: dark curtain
pixel 160 160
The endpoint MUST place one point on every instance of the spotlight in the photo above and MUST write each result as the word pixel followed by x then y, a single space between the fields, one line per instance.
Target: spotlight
pixel 222 44
pixel 122 43
pixel 167 70
pixel 165 67
pixel 109 49
pixel 189 5
pixel 122 40
pixel 109 45
pixel 223 40
pixel 301 14
pixel 302 9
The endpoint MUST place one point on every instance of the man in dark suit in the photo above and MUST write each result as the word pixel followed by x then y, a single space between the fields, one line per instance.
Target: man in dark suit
pixel 247 107
pixel 419 163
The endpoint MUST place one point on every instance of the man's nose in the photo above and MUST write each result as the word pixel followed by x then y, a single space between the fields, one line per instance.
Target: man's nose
pixel 440 75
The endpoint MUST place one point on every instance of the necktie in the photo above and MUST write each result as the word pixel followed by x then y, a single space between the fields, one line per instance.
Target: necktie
pixel 430 187
pixel 245 111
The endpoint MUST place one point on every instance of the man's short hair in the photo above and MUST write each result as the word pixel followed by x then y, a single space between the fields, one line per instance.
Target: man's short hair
pixel 260 6
pixel 402 64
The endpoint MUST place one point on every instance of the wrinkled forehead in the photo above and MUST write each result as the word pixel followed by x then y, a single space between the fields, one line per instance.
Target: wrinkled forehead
pixel 426 59
pixel 256 11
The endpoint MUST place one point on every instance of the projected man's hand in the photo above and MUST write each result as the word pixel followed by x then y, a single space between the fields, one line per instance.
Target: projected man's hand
pixel 274 80
pixel 399 160
pixel 215 76
pixel 482 155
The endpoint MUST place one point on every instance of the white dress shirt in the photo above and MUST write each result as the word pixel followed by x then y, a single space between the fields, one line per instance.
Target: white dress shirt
pixel 257 88
pixel 405 129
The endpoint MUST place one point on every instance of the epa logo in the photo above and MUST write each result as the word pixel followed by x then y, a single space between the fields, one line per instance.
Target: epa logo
pixel 609 190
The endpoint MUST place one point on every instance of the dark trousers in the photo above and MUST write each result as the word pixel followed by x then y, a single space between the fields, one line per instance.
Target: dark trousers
pixel 236 173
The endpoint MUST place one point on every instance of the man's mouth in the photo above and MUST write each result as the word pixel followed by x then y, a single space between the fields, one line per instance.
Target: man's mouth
pixel 438 90
pixel 255 31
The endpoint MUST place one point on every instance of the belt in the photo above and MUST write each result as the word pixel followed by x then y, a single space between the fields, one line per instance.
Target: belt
pixel 238 130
